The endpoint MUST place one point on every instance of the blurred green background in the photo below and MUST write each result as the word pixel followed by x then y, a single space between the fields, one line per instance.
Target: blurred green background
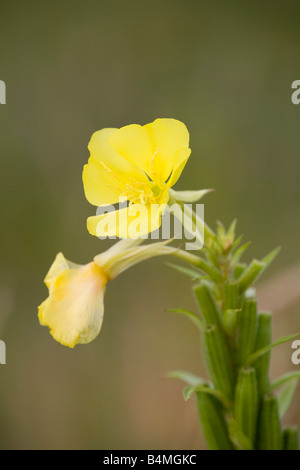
pixel 71 67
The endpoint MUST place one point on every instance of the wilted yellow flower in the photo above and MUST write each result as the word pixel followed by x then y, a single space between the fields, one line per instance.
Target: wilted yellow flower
pixel 138 164
pixel 74 309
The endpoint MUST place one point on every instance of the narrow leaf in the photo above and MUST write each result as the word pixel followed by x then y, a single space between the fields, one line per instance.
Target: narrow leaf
pixel 187 377
pixel 239 253
pixel 190 315
pixel 190 390
pixel 191 273
pixel 285 396
pixel 285 378
pixel 267 260
pixel 260 352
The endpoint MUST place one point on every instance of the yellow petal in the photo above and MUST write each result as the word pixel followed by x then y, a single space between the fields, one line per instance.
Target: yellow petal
pixel 167 136
pixel 107 173
pixel 101 186
pixel 132 143
pixel 133 221
pixel 102 151
pixel 74 309
pixel 181 158
pixel 59 265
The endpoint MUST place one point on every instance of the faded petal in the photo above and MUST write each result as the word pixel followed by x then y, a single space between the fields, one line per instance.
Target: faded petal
pixel 74 309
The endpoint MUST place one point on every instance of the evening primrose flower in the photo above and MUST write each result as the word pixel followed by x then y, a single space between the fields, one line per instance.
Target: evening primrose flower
pixel 74 309
pixel 136 164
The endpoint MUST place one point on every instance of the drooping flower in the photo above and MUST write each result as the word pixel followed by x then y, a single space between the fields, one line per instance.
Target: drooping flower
pixel 74 309
pixel 138 164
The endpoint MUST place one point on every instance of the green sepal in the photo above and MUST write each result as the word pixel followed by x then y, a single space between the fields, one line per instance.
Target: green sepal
pixel 255 269
pixel 263 338
pixel 238 270
pixel 213 423
pixel 209 309
pixel 231 295
pixel 218 360
pixel 290 438
pixel 247 330
pixel 250 275
pixel 269 430
pixel 189 196
pixel 246 402
pixel 230 321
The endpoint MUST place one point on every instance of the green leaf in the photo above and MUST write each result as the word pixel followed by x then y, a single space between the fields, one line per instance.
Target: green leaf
pixel 286 395
pixel 239 253
pixel 190 390
pixel 267 260
pixel 191 273
pixel 190 315
pixel 237 437
pixel 260 352
pixel 285 378
pixel 231 230
pixel 187 377
pixel 236 242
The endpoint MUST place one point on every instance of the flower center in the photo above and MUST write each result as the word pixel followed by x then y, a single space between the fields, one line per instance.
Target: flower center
pixel 142 193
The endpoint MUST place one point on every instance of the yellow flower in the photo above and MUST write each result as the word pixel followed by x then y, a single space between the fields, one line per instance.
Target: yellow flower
pixel 138 164
pixel 74 309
